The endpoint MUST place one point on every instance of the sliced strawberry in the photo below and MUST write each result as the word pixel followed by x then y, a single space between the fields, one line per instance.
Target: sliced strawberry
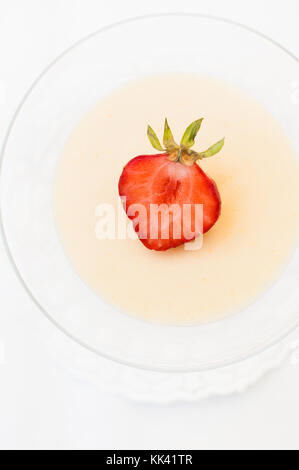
pixel 157 189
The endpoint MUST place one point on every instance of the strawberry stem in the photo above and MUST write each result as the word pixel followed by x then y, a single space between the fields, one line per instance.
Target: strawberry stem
pixel 182 153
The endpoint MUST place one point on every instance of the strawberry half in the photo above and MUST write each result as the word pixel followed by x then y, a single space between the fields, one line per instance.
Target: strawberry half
pixel 168 196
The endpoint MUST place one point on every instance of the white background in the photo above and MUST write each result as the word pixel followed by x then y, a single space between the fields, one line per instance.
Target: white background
pixel 41 404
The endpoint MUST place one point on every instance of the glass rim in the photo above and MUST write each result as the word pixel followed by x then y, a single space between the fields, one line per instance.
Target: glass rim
pixel 225 363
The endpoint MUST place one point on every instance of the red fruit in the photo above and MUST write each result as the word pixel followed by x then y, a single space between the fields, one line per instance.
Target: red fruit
pixel 166 184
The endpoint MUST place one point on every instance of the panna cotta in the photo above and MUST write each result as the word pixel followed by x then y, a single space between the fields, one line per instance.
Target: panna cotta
pixel 257 175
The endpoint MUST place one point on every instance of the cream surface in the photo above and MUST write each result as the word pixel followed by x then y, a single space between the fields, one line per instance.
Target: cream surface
pixel 257 175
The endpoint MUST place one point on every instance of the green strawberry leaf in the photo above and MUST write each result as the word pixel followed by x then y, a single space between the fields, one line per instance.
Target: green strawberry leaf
pixel 153 138
pixel 168 140
pixel 212 150
pixel 190 134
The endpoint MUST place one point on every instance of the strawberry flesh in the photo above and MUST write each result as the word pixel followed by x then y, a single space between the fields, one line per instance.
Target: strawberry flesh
pixel 154 179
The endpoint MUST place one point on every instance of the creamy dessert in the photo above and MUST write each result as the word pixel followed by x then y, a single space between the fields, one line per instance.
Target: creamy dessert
pixel 244 250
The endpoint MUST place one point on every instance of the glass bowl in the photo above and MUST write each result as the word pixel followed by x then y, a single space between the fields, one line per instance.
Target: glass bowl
pixel 67 89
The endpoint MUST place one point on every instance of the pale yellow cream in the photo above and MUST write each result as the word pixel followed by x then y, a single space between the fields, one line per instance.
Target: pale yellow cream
pixel 257 176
